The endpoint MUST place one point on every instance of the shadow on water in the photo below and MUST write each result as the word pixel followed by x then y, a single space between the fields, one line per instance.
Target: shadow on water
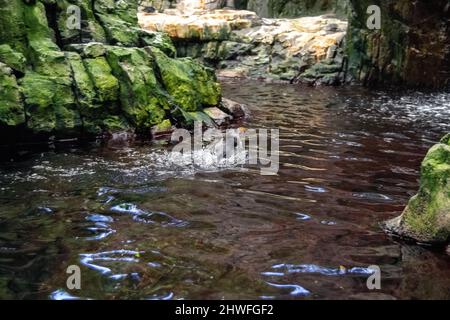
pixel 140 228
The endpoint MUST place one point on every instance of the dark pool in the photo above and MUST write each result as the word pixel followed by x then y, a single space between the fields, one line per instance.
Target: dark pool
pixel 140 228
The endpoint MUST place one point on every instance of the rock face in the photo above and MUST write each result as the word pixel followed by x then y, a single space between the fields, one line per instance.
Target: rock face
pixel 427 216
pixel 263 8
pixel 412 47
pixel 110 75
pixel 295 8
pixel 240 44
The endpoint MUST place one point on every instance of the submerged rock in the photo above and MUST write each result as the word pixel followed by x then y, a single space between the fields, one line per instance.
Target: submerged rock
pixel 427 217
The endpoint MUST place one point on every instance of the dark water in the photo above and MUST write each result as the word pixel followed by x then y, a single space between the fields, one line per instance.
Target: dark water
pixel 140 228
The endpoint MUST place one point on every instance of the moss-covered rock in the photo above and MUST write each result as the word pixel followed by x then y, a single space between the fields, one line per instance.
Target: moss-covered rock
pixel 411 48
pixel 106 85
pixel 192 85
pixel 12 25
pixel 91 30
pixel 13 59
pixel 142 97
pixel 90 80
pixel 427 216
pixel 11 108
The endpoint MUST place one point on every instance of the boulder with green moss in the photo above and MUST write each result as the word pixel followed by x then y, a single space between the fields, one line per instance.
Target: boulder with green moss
pixel 427 216
pixel 191 85
pixel 142 97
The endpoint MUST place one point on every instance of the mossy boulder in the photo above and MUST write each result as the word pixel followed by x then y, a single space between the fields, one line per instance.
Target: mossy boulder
pixel 412 47
pixel 13 59
pixel 142 97
pixel 91 30
pixel 12 25
pixel 294 8
pixel 192 85
pixel 11 108
pixel 427 216
pixel 106 85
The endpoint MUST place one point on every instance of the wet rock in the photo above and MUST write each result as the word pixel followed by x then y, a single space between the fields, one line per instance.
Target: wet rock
pixel 89 50
pixel 296 8
pixel 49 104
pixel 106 85
pixel 120 139
pixel 162 130
pixel 427 217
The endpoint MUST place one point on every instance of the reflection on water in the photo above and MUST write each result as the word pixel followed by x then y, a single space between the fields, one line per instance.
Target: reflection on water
pixel 140 227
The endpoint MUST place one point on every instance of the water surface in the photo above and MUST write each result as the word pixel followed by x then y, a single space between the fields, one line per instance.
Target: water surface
pixel 140 228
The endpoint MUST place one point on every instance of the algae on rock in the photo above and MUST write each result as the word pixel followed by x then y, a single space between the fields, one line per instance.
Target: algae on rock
pixel 11 108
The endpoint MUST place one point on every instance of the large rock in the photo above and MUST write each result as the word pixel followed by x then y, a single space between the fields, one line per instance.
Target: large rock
pixel 192 86
pixel 239 43
pixel 109 76
pixel 263 8
pixel 427 216
pixel 295 8
pixel 412 47
pixel 134 67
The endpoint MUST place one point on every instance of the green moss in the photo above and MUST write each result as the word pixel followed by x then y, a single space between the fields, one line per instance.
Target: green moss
pixel 191 85
pixel 159 40
pixel 92 86
pixel 92 30
pixel 142 97
pixel 50 104
pixel 12 26
pixel 427 216
pixel 115 123
pixel 119 19
pixel 163 126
